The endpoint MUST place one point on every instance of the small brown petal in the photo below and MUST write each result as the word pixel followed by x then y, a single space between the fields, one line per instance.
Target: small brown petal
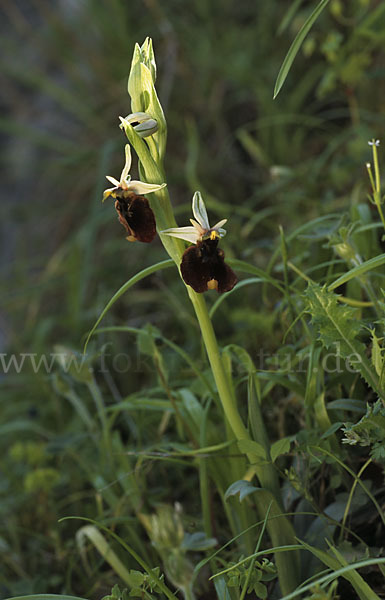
pixel 203 267
pixel 136 216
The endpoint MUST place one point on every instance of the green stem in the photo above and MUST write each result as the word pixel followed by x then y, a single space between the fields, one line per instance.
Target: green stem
pixel 379 208
pixel 211 345
pixel 376 183
pixel 280 530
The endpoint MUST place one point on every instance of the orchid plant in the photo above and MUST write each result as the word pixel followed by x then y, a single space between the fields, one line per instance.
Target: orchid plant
pixel 202 268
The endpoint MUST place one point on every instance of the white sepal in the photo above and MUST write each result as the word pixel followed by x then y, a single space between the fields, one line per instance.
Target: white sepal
pixel 199 211
pixel 139 187
pixel 190 234
pixel 126 169
pixel 113 180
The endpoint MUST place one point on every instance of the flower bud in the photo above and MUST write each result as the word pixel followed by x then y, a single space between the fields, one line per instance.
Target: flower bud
pixel 144 99
pixel 142 123
pixel 148 58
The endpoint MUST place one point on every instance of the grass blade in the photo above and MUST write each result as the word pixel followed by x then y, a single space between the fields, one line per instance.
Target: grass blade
pixel 164 264
pixel 368 265
pixel 293 50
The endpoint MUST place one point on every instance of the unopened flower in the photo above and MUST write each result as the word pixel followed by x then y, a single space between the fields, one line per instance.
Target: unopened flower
pixel 134 211
pixel 142 123
pixel 203 266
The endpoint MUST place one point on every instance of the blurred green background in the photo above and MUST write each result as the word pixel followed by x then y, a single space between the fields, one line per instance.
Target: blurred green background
pixel 258 162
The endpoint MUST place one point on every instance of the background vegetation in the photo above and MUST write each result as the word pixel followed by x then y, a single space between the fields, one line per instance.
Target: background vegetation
pixel 114 445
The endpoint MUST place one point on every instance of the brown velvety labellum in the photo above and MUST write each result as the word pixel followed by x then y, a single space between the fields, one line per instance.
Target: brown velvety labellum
pixel 136 216
pixel 203 264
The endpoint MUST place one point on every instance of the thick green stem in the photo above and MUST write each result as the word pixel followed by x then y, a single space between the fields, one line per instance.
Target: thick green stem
pixel 211 345
pixel 280 529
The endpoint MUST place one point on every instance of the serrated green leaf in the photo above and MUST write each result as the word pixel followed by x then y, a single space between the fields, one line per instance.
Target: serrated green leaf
pixel 338 327
pixel 336 323
pixel 137 578
pixel 115 592
pixel 368 431
pixel 378 451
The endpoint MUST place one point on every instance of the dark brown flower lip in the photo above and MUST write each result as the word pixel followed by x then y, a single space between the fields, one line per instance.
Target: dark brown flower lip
pixel 136 216
pixel 203 267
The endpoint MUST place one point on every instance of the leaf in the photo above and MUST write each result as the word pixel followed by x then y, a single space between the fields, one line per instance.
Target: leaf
pixel 243 357
pixel 147 339
pixel 358 271
pixel 338 327
pixel 377 354
pixel 347 404
pixel 241 487
pixel 332 429
pixel 221 589
pixel 242 266
pixel 259 589
pixel 294 48
pixel 251 447
pixel 94 535
pixel 368 430
pixel 198 542
pixel 164 264
pixel 78 366
pixel 147 345
pixel 339 568
pixel 280 447
pixel 294 6
pixel 152 573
